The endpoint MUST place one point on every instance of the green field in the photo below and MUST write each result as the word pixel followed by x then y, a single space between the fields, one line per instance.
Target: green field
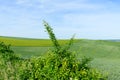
pixel 105 54
pixel 28 42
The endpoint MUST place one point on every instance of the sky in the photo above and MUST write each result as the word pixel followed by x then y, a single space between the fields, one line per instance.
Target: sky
pixel 87 19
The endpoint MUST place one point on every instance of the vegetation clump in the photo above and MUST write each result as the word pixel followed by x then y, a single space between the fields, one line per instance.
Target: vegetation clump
pixel 57 64
pixel 60 64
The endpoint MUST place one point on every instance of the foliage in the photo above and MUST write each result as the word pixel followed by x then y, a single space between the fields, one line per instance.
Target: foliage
pixel 59 64
pixel 8 60
pixel 6 53
pixel 5 48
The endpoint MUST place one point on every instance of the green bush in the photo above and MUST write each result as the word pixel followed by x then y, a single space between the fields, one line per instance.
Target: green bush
pixel 59 64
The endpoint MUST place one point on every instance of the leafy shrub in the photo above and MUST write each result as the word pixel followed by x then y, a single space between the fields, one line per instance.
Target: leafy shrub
pixel 7 53
pixel 59 64
pixel 9 63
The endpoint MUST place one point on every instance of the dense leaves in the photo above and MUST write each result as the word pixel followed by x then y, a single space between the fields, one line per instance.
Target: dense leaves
pixel 60 64
pixel 57 64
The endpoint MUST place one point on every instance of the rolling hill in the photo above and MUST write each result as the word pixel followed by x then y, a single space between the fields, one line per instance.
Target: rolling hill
pixel 105 53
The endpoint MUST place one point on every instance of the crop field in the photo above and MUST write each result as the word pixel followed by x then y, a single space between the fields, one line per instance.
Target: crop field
pixel 25 42
pixel 105 54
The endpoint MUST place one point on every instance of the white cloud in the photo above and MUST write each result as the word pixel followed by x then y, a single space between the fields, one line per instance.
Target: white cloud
pixel 21 1
pixel 98 19
pixel 77 6
pixel 99 26
pixel 49 6
pixel 28 3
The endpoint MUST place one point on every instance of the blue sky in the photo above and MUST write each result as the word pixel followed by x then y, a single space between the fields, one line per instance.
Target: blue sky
pixel 89 19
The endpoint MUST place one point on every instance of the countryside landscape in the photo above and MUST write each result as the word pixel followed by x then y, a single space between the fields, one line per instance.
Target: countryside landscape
pixel 59 40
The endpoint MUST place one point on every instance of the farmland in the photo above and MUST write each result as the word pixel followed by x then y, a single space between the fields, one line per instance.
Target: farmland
pixel 105 54
pixel 15 41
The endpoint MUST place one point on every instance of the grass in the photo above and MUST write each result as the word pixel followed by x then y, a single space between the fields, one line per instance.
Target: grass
pixel 27 52
pixel 108 66
pixel 105 54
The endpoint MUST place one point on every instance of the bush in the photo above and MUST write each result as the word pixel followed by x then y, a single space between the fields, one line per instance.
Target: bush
pixel 59 64
pixel 10 63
